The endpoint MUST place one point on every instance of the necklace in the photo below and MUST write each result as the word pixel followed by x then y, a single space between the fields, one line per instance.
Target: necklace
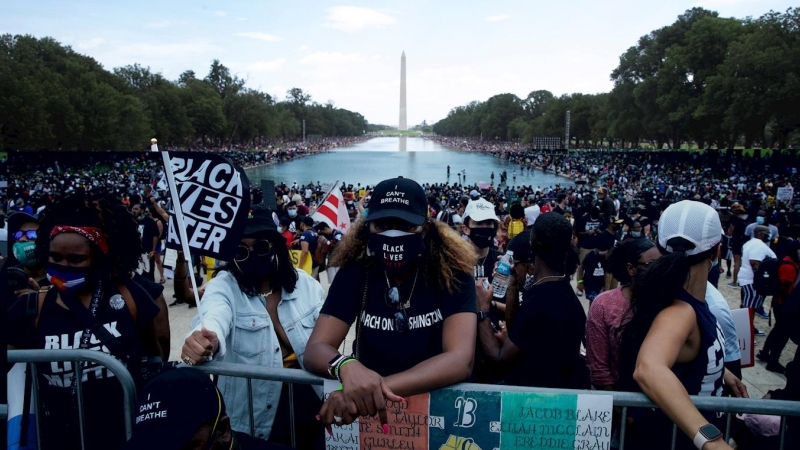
pixel 407 304
pixel 479 268
pixel 548 277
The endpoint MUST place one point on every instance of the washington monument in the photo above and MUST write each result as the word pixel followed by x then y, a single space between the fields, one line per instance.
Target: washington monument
pixel 403 124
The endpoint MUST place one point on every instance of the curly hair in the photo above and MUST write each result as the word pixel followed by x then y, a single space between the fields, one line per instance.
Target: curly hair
pixel 446 253
pixel 118 225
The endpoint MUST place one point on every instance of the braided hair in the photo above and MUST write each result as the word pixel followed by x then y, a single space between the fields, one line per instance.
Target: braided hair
pixel 118 225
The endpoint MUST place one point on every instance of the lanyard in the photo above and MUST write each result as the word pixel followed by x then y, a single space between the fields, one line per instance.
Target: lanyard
pixel 87 332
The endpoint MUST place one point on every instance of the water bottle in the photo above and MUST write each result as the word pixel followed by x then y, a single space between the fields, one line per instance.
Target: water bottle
pixel 500 280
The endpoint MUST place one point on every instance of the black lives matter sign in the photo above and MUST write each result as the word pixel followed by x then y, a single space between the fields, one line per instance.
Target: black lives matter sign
pixel 215 200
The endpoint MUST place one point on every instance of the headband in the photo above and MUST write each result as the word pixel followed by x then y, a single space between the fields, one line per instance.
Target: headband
pixel 93 234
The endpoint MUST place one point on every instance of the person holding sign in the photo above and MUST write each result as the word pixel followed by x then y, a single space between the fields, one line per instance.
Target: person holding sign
pixel 407 280
pixel 672 347
pixel 259 310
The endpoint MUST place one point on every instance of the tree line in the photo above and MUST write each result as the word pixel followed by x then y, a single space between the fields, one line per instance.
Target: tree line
pixel 712 81
pixel 55 98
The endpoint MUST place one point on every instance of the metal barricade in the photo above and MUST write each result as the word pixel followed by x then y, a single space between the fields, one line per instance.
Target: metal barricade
pixel 75 357
pixel 624 400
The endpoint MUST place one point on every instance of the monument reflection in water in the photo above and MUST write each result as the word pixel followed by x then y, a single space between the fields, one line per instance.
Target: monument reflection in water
pixel 378 159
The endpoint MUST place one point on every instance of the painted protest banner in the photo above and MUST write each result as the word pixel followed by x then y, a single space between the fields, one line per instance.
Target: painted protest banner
pixel 785 194
pixel 215 200
pixel 472 419
pixel 743 321
pixel 551 421
pixel 454 419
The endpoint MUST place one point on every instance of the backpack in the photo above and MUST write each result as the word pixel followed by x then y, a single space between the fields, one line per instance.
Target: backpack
pixel 766 281
pixel 323 247
pixel 515 227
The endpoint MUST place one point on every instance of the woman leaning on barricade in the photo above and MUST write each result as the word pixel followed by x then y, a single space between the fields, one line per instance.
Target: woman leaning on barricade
pixel 259 310
pixel 407 281
pixel 672 347
pixel 91 249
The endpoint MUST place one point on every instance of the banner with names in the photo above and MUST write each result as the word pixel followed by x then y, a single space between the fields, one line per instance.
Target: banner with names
pixel 454 419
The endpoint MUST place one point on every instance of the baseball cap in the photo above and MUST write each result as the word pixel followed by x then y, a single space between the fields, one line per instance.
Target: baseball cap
pixel 172 407
pixel 259 222
pixel 400 198
pixel 695 222
pixel 17 218
pixel 480 210
pixel 474 195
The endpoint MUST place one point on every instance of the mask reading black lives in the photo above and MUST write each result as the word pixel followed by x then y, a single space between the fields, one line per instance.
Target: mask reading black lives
pixel 396 250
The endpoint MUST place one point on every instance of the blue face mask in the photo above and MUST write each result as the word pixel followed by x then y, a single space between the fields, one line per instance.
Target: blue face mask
pixel 67 279
pixel 760 220
pixel 25 252
pixel 636 234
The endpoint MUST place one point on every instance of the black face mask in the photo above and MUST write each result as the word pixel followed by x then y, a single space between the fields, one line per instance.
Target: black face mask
pixel 395 250
pixel 256 267
pixel 481 237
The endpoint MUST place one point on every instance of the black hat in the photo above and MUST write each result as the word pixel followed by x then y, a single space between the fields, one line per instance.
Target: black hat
pixel 172 407
pixel 259 221
pixel 16 219
pixel 401 198
pixel 521 246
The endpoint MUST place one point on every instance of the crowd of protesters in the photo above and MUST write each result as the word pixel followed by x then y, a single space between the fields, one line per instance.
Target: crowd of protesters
pixel 643 235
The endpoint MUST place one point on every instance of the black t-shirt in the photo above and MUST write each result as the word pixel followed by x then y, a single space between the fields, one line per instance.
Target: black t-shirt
pixel 148 230
pixel 586 223
pixel 548 330
pixel 558 209
pixel 60 329
pixel 593 272
pixel 382 348
pixel 489 262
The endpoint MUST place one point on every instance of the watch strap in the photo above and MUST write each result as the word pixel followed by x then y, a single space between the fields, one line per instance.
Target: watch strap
pixel 704 435
pixel 333 364
pixel 483 315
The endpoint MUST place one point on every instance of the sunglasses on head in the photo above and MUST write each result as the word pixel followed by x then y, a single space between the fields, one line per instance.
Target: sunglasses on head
pixel 260 248
pixel 400 316
pixel 30 235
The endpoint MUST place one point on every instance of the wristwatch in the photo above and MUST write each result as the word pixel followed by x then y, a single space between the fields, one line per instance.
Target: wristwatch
pixel 707 433
pixel 482 315
pixel 333 364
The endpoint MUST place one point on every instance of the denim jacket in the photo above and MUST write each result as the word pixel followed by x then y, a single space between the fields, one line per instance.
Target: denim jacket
pixel 246 336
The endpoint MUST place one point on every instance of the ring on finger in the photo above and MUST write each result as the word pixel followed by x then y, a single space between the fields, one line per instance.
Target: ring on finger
pixel 188 360
pixel 338 420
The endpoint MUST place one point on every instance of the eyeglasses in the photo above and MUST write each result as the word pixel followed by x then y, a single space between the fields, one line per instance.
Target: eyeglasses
pixel 400 316
pixel 30 235
pixel 260 247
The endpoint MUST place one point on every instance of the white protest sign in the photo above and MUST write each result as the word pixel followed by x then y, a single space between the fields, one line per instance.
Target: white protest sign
pixel 785 194
pixel 743 321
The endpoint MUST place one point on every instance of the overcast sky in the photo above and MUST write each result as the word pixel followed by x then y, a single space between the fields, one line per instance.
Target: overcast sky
pixel 349 53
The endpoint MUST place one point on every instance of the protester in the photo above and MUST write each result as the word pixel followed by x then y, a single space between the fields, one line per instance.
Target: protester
pixel 149 235
pixel 408 282
pixel 260 310
pixel 672 346
pixel 93 304
pixel 587 228
pixel 549 312
pixel 23 230
pixel 608 312
pixel 753 254
pixel 182 409
pixel 480 227
pixel 308 245
pixel 779 336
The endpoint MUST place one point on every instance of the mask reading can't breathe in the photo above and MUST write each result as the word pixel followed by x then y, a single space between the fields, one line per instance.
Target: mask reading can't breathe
pixel 396 250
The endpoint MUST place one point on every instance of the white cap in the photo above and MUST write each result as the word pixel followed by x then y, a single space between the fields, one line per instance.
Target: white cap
pixel 474 194
pixel 480 210
pixel 696 222
pixel 532 213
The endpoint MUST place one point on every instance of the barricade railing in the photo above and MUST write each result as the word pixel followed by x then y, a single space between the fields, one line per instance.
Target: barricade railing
pixel 75 357
pixel 624 400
